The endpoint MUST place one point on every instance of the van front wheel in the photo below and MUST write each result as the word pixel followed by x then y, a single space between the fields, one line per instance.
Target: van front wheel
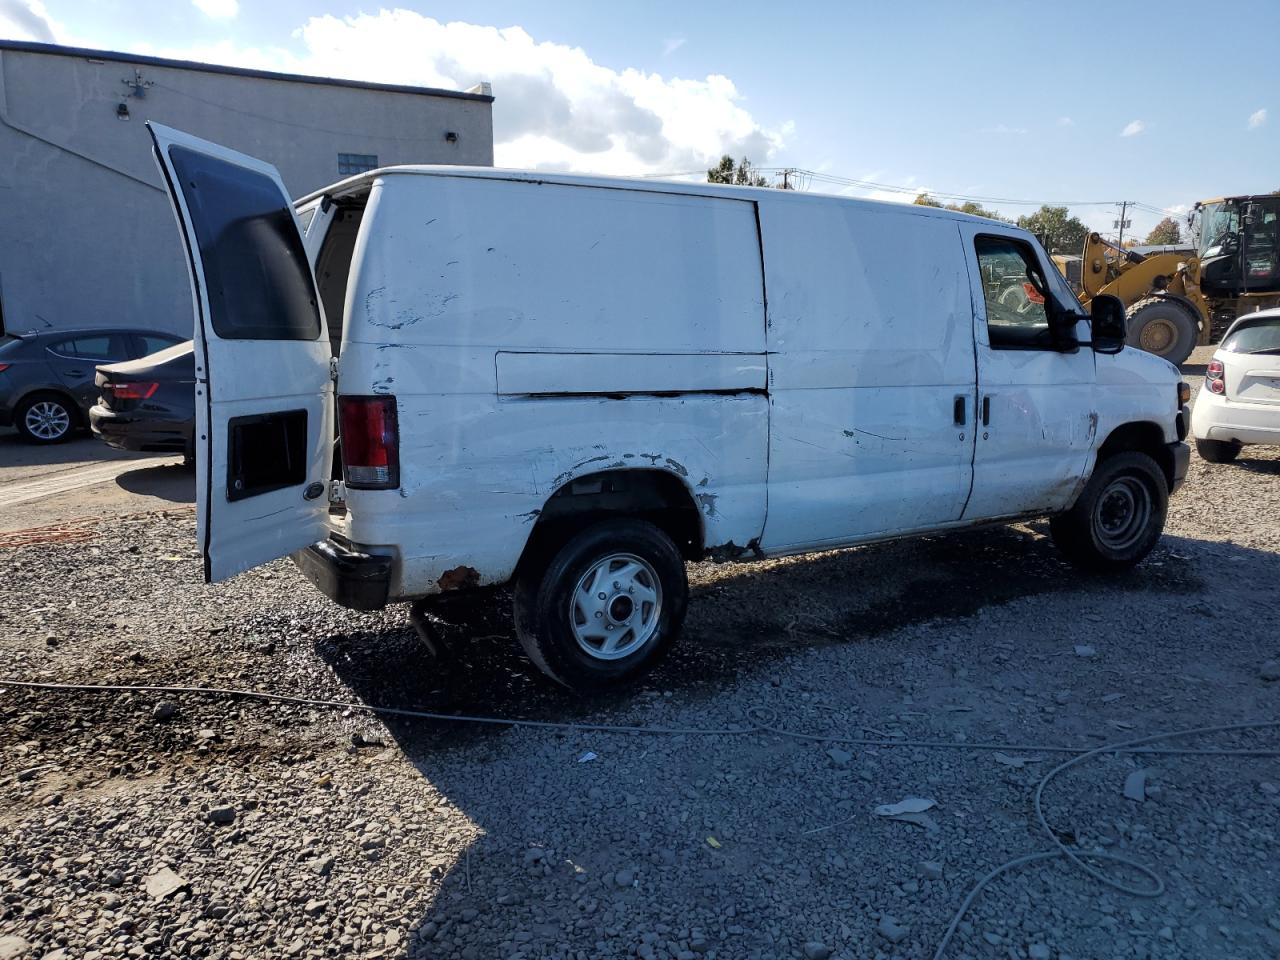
pixel 607 606
pixel 1119 516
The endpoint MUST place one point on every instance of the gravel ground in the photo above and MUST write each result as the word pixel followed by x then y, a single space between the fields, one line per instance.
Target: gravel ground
pixel 135 825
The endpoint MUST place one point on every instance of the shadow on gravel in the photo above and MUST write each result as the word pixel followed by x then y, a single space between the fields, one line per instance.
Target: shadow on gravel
pixel 741 617
pixel 172 482
pixel 1270 467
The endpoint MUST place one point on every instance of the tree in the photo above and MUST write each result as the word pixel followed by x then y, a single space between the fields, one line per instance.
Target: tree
pixel 977 209
pixel 1060 232
pixel 742 175
pixel 1166 231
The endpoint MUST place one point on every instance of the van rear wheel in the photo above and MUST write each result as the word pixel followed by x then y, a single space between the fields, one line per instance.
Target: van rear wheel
pixel 1119 516
pixel 606 608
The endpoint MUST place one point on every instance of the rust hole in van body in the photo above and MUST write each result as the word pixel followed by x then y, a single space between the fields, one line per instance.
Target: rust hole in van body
pixel 459 578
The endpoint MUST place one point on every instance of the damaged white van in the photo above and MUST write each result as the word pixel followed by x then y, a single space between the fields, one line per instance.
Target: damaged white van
pixel 575 384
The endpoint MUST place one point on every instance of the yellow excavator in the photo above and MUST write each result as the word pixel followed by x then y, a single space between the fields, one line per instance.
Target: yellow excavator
pixel 1178 301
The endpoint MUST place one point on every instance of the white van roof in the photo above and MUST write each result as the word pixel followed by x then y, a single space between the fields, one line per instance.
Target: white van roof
pixel 361 183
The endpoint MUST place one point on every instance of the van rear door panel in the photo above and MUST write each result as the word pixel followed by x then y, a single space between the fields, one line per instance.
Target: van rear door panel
pixel 264 398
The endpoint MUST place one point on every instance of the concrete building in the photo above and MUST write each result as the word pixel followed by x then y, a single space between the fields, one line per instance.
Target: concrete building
pixel 87 236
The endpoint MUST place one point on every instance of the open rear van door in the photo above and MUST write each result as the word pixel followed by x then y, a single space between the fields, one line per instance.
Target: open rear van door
pixel 264 395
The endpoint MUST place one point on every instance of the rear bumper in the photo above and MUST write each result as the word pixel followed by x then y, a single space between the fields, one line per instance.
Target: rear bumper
pixel 1181 464
pixel 126 431
pixel 347 576
pixel 6 417
pixel 1217 418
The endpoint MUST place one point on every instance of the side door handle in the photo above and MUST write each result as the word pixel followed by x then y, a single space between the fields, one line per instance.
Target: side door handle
pixel 959 414
pixel 986 411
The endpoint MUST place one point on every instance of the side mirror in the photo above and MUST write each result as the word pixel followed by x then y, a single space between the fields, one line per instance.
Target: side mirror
pixel 1110 325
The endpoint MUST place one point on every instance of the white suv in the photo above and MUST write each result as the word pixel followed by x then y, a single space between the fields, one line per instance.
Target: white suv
pixel 1240 402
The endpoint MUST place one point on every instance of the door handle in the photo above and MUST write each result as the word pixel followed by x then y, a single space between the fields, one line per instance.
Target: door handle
pixel 986 411
pixel 958 415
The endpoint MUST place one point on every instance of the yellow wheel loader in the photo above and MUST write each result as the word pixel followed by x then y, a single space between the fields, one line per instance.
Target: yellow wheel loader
pixel 1177 301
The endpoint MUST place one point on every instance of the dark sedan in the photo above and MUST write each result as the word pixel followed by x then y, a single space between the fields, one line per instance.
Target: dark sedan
pixel 47 379
pixel 148 404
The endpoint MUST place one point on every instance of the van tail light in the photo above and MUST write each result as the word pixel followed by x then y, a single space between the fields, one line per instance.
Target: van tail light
pixel 5 366
pixel 129 391
pixel 1213 377
pixel 370 438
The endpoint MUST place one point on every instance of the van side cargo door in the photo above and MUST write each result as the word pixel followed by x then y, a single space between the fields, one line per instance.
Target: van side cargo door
pixel 264 397
pixel 871 373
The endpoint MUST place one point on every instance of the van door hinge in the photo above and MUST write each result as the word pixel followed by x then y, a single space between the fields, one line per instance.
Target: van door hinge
pixel 337 491
pixel 333 369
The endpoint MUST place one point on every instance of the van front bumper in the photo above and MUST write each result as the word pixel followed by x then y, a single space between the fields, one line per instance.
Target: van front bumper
pixel 1181 464
pixel 347 575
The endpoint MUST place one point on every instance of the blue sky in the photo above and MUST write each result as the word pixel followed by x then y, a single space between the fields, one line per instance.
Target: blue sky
pixel 998 99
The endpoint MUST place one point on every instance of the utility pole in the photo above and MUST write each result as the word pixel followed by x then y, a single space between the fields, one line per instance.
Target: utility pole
pixel 1122 223
pixel 786 175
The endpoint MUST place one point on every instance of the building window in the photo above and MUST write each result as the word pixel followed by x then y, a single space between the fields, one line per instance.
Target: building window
pixel 357 162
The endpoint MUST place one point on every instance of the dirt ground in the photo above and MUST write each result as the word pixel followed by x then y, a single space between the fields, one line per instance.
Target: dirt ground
pixel 144 824
pixel 82 479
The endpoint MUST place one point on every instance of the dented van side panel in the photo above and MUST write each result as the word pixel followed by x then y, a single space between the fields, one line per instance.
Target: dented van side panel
pixel 871 366
pixel 535 333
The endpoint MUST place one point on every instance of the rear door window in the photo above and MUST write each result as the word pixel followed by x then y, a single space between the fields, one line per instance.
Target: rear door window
pixel 259 281
pixel 113 346
pixel 149 343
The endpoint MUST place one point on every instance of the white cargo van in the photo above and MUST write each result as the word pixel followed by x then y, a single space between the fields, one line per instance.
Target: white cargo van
pixel 574 384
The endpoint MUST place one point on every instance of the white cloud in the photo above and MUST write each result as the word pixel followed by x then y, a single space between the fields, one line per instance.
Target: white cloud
pixel 26 20
pixel 555 108
pixel 218 9
pixel 1133 128
pixel 672 44
pixel 1257 118
pixel 1002 128
pixel 1066 122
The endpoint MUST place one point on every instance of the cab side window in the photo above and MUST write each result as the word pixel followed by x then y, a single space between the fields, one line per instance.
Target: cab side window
pixel 1016 294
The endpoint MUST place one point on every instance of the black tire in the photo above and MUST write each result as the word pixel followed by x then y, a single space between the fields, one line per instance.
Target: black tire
pixel 1119 516
pixel 1218 451
pixel 37 415
pixel 550 622
pixel 1171 329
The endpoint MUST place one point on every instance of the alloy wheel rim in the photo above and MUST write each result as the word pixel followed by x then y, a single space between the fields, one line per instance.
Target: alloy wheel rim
pixel 616 606
pixel 1120 519
pixel 47 420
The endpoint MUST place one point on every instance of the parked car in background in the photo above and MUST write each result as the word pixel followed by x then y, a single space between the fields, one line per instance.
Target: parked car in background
pixel 148 404
pixel 47 379
pixel 1240 402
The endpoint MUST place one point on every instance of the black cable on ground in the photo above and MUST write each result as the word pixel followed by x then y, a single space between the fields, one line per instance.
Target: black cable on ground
pixel 764 720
